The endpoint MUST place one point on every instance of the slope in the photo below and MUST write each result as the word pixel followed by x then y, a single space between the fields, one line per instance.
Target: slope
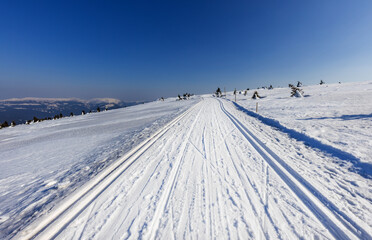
pixel 219 173
pixel 43 163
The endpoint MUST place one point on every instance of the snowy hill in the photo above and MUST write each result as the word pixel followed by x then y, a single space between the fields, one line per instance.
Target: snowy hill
pixel 22 109
pixel 200 168
pixel 338 115
pixel 43 162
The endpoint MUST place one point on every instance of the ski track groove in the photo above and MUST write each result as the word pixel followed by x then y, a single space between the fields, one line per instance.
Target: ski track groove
pixel 164 200
pixel 349 223
pixel 251 197
pixel 254 211
pixel 88 193
pixel 85 225
pixel 303 190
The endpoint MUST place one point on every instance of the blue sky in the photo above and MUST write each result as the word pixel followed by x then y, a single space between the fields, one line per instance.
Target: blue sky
pixel 141 50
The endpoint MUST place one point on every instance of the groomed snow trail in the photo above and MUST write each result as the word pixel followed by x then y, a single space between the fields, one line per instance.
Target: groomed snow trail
pixel 208 176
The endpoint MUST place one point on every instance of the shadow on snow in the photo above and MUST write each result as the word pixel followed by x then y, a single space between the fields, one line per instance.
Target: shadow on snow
pixel 363 169
pixel 343 117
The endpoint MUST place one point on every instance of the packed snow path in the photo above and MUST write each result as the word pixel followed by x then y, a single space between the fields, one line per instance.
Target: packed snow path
pixel 209 174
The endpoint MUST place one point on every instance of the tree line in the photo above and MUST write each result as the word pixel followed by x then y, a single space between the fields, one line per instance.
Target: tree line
pixel 36 119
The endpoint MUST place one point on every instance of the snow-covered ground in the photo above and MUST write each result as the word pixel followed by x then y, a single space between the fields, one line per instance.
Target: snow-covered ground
pixel 43 162
pixel 338 115
pixel 300 168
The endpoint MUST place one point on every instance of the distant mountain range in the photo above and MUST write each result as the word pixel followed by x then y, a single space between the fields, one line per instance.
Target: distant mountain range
pixel 22 109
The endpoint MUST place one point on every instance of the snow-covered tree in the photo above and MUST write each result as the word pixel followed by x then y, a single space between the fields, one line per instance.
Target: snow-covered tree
pixel 5 124
pixel 297 92
pixel 255 95
pixel 218 92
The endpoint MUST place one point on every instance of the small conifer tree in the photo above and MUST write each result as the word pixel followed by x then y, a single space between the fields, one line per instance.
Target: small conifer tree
pixel 297 92
pixel 255 95
pixel 5 124
pixel 218 92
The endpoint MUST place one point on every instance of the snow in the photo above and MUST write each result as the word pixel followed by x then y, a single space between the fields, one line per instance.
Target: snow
pixel 299 168
pixel 43 162
pixel 338 115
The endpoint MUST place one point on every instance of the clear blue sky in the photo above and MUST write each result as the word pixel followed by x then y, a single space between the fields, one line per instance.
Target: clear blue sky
pixel 140 50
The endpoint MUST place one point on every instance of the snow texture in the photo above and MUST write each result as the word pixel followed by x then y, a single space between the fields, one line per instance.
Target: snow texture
pixel 44 162
pixel 299 168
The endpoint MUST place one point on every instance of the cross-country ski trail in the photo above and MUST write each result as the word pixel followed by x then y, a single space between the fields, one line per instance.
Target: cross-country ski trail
pixel 211 174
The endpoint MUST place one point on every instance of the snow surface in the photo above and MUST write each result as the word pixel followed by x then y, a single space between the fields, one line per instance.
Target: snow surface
pixel 299 168
pixel 43 162
pixel 338 115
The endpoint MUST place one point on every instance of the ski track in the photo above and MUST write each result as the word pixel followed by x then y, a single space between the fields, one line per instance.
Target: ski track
pixel 313 199
pixel 209 177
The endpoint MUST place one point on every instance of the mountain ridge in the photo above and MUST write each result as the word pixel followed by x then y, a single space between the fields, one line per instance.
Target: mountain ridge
pixel 20 110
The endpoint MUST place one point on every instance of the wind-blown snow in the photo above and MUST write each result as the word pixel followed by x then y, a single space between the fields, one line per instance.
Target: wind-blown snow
pixel 43 162
pixel 339 115
pixel 299 168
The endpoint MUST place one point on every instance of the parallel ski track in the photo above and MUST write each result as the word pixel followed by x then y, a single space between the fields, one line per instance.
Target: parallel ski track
pixel 165 197
pixel 337 223
pixel 58 219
